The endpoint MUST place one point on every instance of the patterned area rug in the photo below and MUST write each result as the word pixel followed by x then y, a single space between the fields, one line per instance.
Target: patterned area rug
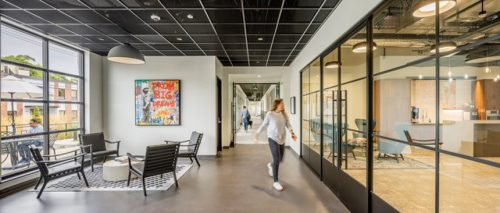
pixel 97 183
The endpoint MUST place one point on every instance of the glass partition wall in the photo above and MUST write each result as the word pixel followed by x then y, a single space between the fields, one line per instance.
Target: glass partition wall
pixel 410 111
pixel 41 98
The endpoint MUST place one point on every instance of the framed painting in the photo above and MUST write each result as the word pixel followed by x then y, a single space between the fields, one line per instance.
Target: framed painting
pixel 157 102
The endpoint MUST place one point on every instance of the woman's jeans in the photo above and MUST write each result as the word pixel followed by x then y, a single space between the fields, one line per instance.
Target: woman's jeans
pixel 277 151
pixel 245 125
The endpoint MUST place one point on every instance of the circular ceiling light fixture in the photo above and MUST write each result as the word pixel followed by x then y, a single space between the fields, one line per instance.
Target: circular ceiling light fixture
pixel 444 46
pixel 155 17
pixel 190 16
pixel 260 39
pixel 178 39
pixel 332 64
pixel 126 54
pixel 362 46
pixel 482 13
pixel 427 8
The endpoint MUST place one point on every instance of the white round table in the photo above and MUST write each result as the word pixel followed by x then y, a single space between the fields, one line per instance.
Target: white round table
pixel 116 171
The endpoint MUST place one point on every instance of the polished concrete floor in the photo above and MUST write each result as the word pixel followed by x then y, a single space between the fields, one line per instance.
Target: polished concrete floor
pixel 235 182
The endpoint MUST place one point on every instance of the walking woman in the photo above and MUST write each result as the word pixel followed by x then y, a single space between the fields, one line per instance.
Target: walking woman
pixel 276 122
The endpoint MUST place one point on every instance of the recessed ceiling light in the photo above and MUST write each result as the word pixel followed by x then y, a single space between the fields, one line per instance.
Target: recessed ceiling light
pixel 260 39
pixel 258 76
pixel 190 16
pixel 444 46
pixel 100 39
pixel 420 76
pixel 466 76
pixel 427 8
pixel 178 39
pixel 155 17
pixel 362 46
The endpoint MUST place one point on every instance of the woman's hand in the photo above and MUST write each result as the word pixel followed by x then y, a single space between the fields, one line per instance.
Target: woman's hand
pixel 294 137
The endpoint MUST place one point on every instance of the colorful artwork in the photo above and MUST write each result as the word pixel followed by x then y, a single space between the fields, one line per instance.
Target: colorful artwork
pixel 157 102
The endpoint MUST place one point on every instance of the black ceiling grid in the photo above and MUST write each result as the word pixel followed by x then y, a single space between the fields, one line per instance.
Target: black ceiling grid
pixel 217 35
pixel 307 28
pixel 238 32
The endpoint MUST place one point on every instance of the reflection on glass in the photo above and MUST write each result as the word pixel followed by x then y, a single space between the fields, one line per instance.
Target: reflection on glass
pixel 305 120
pixel 305 81
pixel 64 88
pixel 64 59
pixel 331 66
pixel 20 82
pixel 315 122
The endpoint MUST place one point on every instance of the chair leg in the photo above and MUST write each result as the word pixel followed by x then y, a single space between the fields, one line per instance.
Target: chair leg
pixel 378 156
pixel 190 158
pixel 175 178
pixel 38 183
pixel 92 164
pixel 197 162
pixel 161 176
pixel 79 178
pixel 402 156
pixel 85 178
pixel 105 157
pixel 54 150
pixel 41 190
pixel 128 180
pixel 397 158
pixel 353 155
pixel 144 186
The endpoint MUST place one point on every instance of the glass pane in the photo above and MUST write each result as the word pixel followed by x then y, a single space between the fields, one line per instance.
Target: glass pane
pixel 401 35
pixel 20 47
pixel 353 57
pixel 330 69
pixel 64 142
pixel 64 88
pixel 64 116
pixel 330 123
pixel 17 118
pixel 21 83
pixel 305 120
pixel 15 155
pixel 315 70
pixel 354 143
pixel 64 59
pixel 315 122
pixel 305 81
pixel 404 174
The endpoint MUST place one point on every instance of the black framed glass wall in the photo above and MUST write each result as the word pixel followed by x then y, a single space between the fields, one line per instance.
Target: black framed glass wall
pixel 431 101
pixel 41 98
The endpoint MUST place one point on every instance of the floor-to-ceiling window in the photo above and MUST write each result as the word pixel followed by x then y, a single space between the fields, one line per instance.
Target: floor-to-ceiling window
pixel 431 101
pixel 41 98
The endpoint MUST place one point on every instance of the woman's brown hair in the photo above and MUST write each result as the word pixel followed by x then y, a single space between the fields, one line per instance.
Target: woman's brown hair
pixel 276 103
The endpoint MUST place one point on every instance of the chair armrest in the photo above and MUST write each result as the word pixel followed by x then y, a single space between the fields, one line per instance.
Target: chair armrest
pixel 108 141
pixel 426 141
pixel 62 160
pixel 189 145
pixel 134 157
pixel 176 141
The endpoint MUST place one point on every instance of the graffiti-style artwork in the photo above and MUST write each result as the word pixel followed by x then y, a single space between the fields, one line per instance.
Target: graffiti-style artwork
pixel 157 102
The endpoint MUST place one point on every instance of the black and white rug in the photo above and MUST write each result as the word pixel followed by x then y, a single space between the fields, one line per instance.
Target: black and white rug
pixel 97 183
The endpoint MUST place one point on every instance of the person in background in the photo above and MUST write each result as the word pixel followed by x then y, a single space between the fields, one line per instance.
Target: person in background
pixel 24 150
pixel 276 122
pixel 245 118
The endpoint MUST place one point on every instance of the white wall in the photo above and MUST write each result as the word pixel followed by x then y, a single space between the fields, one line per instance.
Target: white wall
pixel 344 17
pixel 198 101
pixel 93 92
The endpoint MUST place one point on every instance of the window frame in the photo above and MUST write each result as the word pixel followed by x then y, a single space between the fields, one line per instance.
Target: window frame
pixel 46 100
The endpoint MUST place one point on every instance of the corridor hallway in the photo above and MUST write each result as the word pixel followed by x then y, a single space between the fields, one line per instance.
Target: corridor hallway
pixel 243 137
pixel 236 182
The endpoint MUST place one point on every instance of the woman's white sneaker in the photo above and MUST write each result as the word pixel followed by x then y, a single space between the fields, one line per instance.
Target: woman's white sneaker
pixel 269 169
pixel 278 186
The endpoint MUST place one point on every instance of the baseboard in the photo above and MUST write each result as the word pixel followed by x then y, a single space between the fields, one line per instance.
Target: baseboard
pixel 225 147
pixel 206 157
pixel 17 187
